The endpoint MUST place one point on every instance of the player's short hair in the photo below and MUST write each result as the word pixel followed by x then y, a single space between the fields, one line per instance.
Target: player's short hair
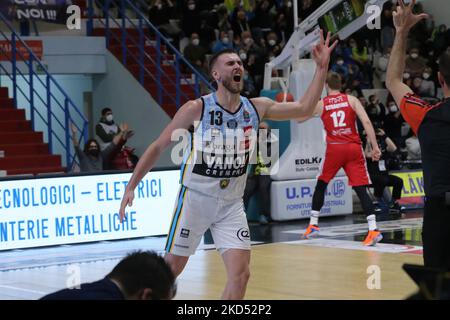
pixel 216 56
pixel 444 67
pixel 145 269
pixel 334 81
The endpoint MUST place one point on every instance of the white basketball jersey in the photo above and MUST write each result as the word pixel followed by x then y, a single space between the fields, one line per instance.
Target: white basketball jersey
pixel 220 147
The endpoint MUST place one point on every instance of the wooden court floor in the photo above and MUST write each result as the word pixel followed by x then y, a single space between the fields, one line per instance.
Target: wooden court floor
pixel 291 271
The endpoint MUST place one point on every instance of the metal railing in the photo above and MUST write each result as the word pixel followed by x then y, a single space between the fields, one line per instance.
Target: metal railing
pixel 49 103
pixel 166 64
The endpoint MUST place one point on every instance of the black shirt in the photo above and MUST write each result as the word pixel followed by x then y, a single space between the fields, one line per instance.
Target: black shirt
pixel 431 123
pixel 103 289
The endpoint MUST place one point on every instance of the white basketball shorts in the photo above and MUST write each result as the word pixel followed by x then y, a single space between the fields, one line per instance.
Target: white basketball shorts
pixel 195 212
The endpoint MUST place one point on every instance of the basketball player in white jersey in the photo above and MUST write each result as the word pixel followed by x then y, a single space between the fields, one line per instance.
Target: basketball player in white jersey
pixel 211 195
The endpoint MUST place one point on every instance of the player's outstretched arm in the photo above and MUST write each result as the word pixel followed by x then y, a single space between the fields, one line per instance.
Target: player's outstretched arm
pixel 270 109
pixel 183 119
pixel 404 20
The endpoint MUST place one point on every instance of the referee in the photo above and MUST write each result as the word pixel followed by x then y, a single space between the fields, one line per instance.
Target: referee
pixel 431 123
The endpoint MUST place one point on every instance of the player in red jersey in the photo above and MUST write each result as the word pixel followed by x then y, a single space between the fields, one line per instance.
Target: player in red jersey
pixel 344 150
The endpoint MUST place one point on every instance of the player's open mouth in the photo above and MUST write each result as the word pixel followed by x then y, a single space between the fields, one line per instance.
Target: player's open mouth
pixel 237 78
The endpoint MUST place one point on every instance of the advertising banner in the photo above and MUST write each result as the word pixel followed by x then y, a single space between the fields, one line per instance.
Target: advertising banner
pixel 54 11
pixel 75 209
pixel 413 192
pixel 292 199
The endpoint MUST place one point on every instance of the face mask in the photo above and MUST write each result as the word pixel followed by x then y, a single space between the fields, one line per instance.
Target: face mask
pixel 272 42
pixel 271 58
pixel 191 6
pixel 414 55
pixel 393 108
pixel 406 76
pixel 340 62
pixel 195 42
pixel 225 40
pixel 93 152
pixel 109 118
pixel 243 56
pixel 289 4
pixel 426 76
pixel 159 6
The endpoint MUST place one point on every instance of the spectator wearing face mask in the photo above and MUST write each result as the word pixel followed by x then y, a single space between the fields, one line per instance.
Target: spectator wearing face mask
pixel 194 52
pixel 415 64
pixel 393 124
pixel 272 43
pixel 341 67
pixel 381 66
pixel 106 128
pixel 427 87
pixel 407 79
pixel 222 43
pixel 93 159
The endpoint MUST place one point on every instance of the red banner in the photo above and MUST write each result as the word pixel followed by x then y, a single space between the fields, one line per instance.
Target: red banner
pixel 6 50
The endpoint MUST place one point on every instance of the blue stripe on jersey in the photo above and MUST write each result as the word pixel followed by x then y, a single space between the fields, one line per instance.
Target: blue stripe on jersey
pixel 175 218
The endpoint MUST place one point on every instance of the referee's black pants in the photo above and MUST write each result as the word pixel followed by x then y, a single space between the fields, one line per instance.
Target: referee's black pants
pixel 436 233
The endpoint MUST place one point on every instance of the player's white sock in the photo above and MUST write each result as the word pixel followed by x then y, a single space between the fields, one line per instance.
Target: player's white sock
pixel 372 222
pixel 314 219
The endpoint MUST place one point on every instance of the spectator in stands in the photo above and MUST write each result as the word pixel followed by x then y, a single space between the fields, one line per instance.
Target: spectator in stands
pixel 415 64
pixel 306 7
pixel 376 110
pixel 239 21
pixel 223 42
pixel 160 13
pixel 427 88
pixel 273 45
pixel 413 146
pixel 440 38
pixel 360 55
pixel 393 124
pixel 262 21
pixel 141 275
pixel 231 5
pixel 416 83
pixel 258 179
pixel 345 51
pixel 190 20
pixel 341 67
pixel 381 65
pixel 284 22
pixel 91 158
pixel 223 23
pixel 379 170
pixel 194 52
pixel 106 128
